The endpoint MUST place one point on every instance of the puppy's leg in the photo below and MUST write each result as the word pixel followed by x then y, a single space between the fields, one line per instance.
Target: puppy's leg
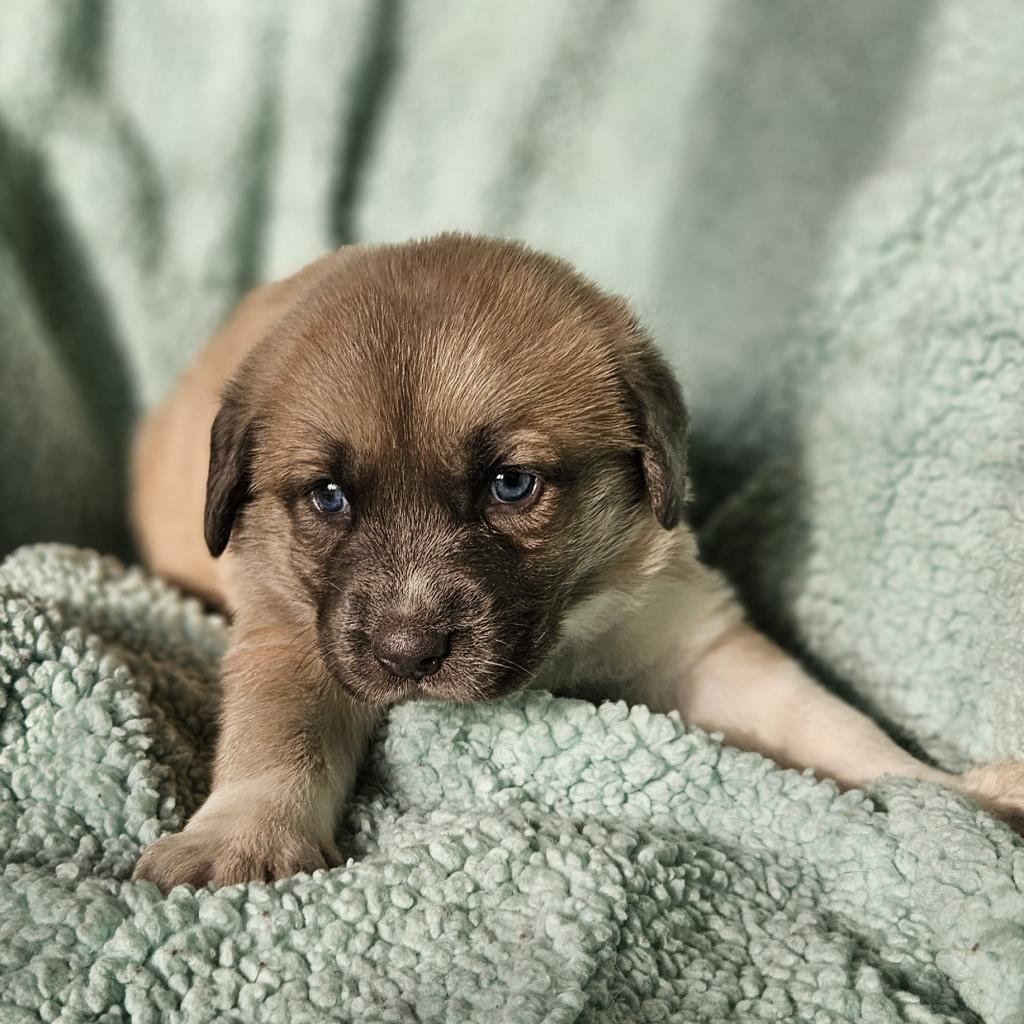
pixel 288 752
pixel 761 699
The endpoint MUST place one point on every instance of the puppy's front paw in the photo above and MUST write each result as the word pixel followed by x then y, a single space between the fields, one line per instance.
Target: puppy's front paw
pixel 999 788
pixel 205 854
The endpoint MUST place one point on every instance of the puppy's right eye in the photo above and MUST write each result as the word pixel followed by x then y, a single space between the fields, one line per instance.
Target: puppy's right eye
pixel 515 487
pixel 329 498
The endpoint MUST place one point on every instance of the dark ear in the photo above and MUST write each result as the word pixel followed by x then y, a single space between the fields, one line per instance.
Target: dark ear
pixel 228 481
pixel 661 419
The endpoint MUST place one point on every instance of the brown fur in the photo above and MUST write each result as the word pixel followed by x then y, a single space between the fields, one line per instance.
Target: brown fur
pixel 409 375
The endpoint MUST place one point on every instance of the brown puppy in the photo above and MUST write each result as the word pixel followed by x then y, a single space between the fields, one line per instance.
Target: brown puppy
pixel 451 468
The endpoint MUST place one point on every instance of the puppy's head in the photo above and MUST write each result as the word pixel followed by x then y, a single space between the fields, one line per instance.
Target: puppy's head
pixel 436 454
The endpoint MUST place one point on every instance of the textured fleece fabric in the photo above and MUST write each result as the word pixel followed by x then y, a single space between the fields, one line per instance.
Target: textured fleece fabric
pixel 818 206
pixel 535 860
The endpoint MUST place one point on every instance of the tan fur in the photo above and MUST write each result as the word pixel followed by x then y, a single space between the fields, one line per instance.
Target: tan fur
pixel 403 368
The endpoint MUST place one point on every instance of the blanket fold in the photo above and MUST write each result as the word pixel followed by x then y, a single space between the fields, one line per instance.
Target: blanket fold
pixel 539 859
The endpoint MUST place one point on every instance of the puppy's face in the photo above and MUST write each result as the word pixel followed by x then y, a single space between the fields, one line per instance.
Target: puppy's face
pixel 441 450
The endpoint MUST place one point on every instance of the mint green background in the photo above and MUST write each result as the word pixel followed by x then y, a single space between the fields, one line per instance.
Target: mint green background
pixel 817 206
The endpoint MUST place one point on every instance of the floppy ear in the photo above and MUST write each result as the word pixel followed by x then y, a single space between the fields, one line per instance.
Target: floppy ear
pixel 662 420
pixel 228 480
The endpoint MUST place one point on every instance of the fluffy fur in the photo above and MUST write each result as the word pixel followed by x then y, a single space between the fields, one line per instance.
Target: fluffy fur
pixel 409 375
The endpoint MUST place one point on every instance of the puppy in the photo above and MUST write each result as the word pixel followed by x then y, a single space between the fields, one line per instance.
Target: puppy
pixel 448 469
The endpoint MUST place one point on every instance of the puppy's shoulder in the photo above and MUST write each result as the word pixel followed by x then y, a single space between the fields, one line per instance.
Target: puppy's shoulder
pixel 657 615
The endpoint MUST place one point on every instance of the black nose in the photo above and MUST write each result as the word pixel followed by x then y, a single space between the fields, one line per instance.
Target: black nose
pixel 411 653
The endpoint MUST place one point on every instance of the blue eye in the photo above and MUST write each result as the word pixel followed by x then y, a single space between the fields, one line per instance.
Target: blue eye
pixel 512 486
pixel 329 498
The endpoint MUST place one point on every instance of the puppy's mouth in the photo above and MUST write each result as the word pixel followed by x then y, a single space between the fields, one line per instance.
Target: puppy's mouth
pixel 467 674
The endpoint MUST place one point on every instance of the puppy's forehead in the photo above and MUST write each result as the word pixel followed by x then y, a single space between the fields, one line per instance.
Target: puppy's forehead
pixel 430 347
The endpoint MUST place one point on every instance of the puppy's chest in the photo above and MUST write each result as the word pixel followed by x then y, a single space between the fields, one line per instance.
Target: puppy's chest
pixel 634 644
pixel 605 644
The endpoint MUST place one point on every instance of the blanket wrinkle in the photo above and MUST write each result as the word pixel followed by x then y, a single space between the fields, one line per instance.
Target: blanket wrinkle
pixel 537 859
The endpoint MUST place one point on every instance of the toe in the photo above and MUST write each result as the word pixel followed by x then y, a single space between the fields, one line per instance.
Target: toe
pixel 174 860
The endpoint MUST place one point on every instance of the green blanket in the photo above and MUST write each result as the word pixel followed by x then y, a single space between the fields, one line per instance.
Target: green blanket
pixel 535 860
pixel 819 208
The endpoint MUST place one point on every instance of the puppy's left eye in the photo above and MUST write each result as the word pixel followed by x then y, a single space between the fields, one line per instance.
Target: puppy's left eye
pixel 329 498
pixel 514 487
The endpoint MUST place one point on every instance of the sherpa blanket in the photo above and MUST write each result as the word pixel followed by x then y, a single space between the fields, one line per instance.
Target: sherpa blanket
pixel 535 860
pixel 819 208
